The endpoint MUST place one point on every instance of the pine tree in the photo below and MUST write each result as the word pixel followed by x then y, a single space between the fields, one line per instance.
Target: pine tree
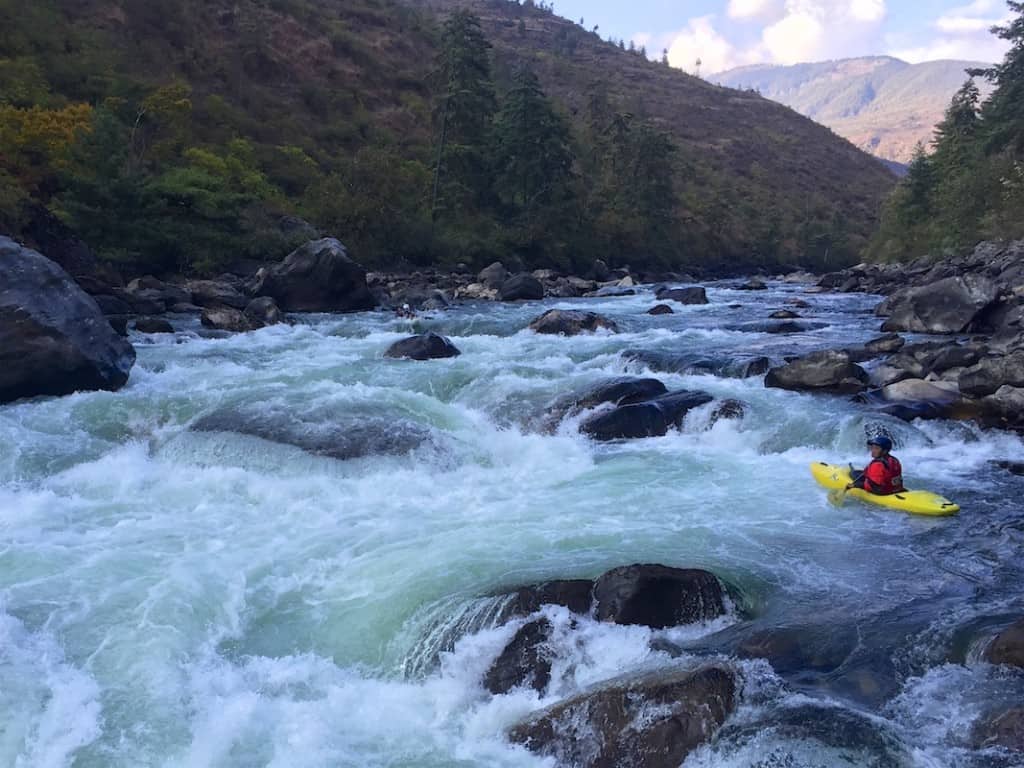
pixel 1003 112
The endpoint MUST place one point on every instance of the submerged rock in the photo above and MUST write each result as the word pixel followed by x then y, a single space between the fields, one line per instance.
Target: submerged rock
pixel 658 596
pixel 784 314
pixel 1005 729
pixel 427 346
pixel 778 327
pixel 567 322
pixel 826 371
pixel 1008 646
pixel 691 295
pixel 53 338
pixel 693 363
pixel 317 277
pixel 653 720
pixel 523 662
pixel 650 418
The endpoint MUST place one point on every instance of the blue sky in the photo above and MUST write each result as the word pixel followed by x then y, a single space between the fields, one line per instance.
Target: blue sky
pixel 728 33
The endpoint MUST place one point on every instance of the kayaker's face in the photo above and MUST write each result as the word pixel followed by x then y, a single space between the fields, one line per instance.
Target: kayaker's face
pixel 876 451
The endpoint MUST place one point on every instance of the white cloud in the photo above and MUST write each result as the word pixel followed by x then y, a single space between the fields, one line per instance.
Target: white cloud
pixel 700 40
pixel 867 10
pixel 754 9
pixel 797 37
pixel 963 33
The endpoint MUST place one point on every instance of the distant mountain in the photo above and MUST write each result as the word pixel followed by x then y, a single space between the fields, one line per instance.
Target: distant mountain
pixel 881 104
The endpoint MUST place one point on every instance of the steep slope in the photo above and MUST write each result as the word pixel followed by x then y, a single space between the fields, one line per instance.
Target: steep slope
pixel 334 100
pixel 881 104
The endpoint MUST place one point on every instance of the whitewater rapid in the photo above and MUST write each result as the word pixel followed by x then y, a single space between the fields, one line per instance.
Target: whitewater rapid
pixel 174 597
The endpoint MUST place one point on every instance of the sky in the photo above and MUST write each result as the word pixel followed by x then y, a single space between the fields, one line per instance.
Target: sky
pixel 730 33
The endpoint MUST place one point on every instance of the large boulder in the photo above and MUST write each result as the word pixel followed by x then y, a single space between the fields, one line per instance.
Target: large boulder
pixel 523 661
pixel 991 373
pixel 574 594
pixel 53 338
pixel 949 305
pixel 521 287
pixel 1008 646
pixel 152 288
pixel 153 325
pixel 263 311
pixel 825 371
pixel 658 596
pixel 215 294
pixel 650 418
pixel 1004 408
pixel 570 322
pixel 692 295
pixel 426 346
pixel 661 309
pixel 493 276
pixel 225 319
pixel 1004 729
pixel 741 367
pixel 317 277
pixel 653 720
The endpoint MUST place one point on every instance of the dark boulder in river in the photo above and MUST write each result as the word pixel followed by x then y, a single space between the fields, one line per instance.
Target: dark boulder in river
pixel 694 363
pixel 523 662
pixel 53 338
pixel 661 309
pixel 692 295
pixel 574 594
pixel 262 312
pixel 650 418
pixel 521 287
pixel 225 319
pixel 317 277
pixel 426 346
pixel 1005 729
pixel 652 720
pixel 658 596
pixel 570 322
pixel 153 325
pixel 1008 646
pixel 945 306
pixel 825 371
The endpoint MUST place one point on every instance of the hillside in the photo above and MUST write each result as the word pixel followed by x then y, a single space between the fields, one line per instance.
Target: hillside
pixel 881 104
pixel 215 117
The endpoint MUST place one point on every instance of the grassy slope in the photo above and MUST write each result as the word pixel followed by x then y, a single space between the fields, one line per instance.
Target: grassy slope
pixel 881 104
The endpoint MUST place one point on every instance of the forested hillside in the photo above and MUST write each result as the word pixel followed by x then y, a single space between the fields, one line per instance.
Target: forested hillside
pixel 177 135
pixel 970 187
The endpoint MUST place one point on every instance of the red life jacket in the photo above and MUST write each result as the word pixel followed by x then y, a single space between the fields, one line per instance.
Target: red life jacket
pixel 883 476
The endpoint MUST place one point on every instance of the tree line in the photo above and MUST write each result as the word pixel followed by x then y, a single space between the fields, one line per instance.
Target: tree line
pixel 970 187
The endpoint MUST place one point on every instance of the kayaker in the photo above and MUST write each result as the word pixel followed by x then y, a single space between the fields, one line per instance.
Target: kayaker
pixel 884 474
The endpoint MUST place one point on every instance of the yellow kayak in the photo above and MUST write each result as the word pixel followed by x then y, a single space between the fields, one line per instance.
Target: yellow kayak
pixel 836 477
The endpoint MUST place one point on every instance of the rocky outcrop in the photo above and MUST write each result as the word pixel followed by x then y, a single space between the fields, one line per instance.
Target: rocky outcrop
pixel 692 295
pixel 317 277
pixel 826 371
pixel 947 306
pixel 658 596
pixel 53 338
pixel 653 720
pixel 1008 646
pixel 521 287
pixel 649 418
pixel 427 346
pixel 570 322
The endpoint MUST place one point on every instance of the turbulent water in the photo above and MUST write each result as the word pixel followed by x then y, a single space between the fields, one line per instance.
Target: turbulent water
pixel 177 597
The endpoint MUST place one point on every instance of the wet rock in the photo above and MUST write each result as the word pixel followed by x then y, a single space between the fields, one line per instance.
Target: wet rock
pixel 610 291
pixel 1008 646
pixel 826 371
pixel 783 314
pixel 153 325
pixel 568 322
pixel 651 418
pixel 1013 467
pixel 955 356
pixel 427 346
pixel 216 294
pixel 798 303
pixel 225 319
pixel 573 594
pixel 658 596
pixel 777 326
pixel 1004 409
pixel 317 277
pixel 946 306
pixel 621 391
pixel 158 290
pixel 112 305
pixel 1005 730
pixel 793 650
pixel 119 323
pixel 886 344
pixel 653 720
pixel 477 292
pixel 988 375
pixel 263 311
pixel 661 309
pixel 521 287
pixel 752 285
pixel 319 433
pixel 522 663
pixel 53 338
pixel 690 363
pixel 600 271
pixel 493 276
pixel 730 409
pixel 692 295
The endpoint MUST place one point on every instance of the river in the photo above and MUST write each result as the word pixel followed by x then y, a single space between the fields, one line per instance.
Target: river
pixel 174 597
